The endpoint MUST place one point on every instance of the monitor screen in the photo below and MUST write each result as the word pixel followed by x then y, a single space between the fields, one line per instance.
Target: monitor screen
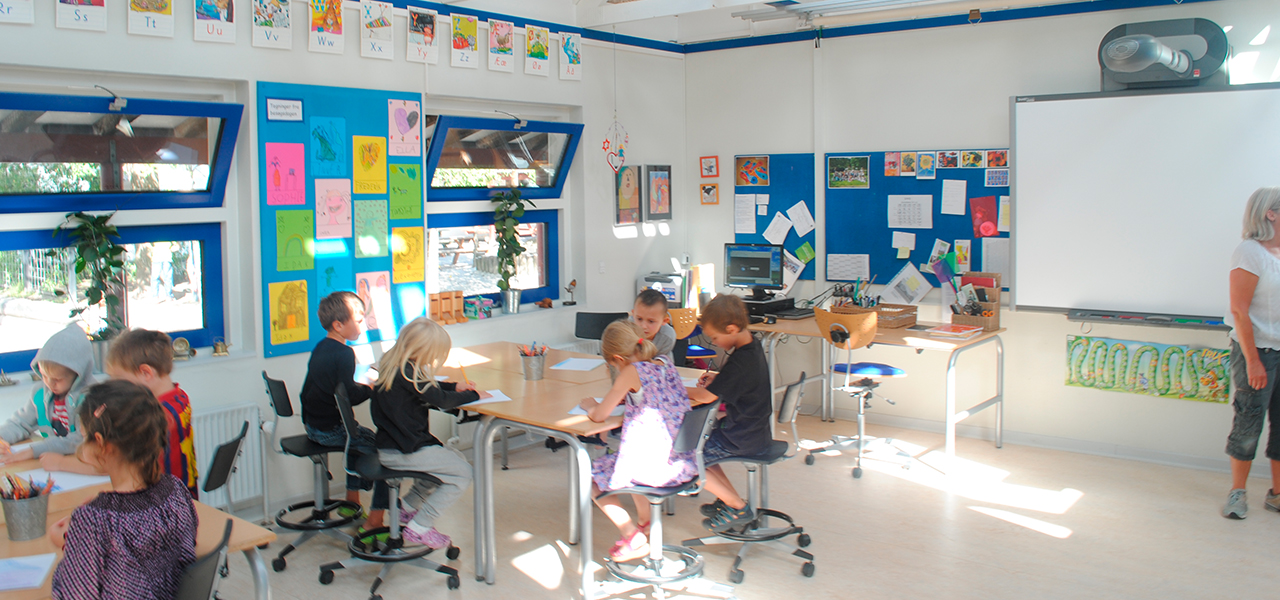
pixel 757 266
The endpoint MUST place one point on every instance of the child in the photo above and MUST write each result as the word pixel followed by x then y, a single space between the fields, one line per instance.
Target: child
pixel 402 398
pixel 743 386
pixel 650 313
pixel 65 364
pixel 333 362
pixel 145 357
pixel 135 540
pixel 656 403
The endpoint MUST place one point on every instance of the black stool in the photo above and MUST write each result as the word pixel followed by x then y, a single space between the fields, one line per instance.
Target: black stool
pixel 365 547
pixel 317 518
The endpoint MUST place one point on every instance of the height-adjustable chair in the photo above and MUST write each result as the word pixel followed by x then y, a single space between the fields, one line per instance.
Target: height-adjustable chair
pixel 219 473
pixel 850 332
pixel 685 323
pixel 320 514
pixel 367 548
pixel 653 569
pixel 757 532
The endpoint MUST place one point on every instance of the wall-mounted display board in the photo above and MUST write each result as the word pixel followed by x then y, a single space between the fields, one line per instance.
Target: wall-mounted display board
pixel 340 203
pixel 878 203
pixel 773 204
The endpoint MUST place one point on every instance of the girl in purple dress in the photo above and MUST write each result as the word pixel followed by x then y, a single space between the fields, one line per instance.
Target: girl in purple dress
pixel 656 402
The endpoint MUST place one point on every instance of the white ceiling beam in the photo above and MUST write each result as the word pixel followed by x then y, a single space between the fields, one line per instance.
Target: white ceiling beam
pixel 640 10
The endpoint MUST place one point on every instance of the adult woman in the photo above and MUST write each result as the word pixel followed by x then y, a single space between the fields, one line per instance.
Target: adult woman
pixel 1255 347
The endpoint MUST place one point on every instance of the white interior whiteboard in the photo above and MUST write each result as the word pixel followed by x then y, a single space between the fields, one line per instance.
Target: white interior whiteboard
pixel 1135 202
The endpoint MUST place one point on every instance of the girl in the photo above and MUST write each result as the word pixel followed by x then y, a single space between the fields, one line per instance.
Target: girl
pixel 405 392
pixel 656 402
pixel 135 540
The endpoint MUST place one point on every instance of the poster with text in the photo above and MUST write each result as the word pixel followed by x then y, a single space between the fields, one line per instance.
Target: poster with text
pixel 328 146
pixel 18 11
pixel 369 164
pixel 89 15
pixel 286 175
pixel 537 50
pixel 151 17
pixel 423 46
pixel 404 128
pixel 406 192
pixel 375 30
pixel 287 301
pixel 502 46
pixel 333 208
pixel 570 56
pixel 374 289
pixel 295 240
pixel 271 24
pixel 371 228
pixel 466 48
pixel 215 21
pixel 408 255
pixel 326 27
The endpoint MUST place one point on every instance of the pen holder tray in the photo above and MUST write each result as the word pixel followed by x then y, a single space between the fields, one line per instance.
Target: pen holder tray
pixel 890 316
pixel 991 323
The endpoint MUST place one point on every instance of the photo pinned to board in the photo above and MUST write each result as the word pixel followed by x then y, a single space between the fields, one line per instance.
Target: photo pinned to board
pixel 709 166
pixel 907 165
pixel 973 159
pixel 891 160
pixel 997 177
pixel 928 165
pixel 751 170
pixel 997 158
pixel 658 193
pixel 948 159
pixel 709 193
pixel 627 198
pixel 853 172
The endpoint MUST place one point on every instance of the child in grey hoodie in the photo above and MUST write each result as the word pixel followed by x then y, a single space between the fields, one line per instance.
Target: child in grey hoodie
pixel 66 371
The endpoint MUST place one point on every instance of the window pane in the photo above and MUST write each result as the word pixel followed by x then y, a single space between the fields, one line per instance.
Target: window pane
pixel 30 309
pixel 483 158
pixel 70 152
pixel 165 285
pixel 466 258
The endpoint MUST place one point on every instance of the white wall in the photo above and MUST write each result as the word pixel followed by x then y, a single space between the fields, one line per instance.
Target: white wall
pixel 950 88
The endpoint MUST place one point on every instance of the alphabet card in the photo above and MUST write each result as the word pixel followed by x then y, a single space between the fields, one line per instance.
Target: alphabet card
pixel 17 11
pixel 89 15
pixel 151 17
pixel 215 21
pixel 404 129
pixel 570 56
pixel 271 24
pixel 326 27
pixel 537 50
pixel 375 30
pixel 466 48
pixel 423 44
pixel 502 55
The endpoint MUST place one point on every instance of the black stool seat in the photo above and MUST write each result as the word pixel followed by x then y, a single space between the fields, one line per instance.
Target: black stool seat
pixel 301 445
pixel 369 467
pixel 659 492
pixel 776 452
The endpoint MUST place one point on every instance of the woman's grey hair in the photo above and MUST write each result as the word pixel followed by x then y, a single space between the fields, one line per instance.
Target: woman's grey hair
pixel 1256 225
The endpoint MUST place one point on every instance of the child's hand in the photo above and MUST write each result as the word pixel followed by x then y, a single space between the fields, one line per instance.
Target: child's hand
pixel 51 461
pixel 5 451
pixel 466 386
pixel 16 457
pixel 58 531
pixel 706 379
pixel 587 404
pixel 483 395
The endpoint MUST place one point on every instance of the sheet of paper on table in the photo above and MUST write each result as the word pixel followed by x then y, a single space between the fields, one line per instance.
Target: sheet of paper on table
pixel 690 381
pixel 63 481
pixel 496 396
pixel 577 364
pixel 16 448
pixel 616 412
pixel 25 572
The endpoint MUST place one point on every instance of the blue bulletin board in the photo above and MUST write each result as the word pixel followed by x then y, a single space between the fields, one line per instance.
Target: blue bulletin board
pixel 857 219
pixel 342 137
pixel 790 180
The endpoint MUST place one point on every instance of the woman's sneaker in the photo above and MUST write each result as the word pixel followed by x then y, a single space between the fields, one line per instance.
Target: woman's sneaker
pixel 432 539
pixel 710 510
pixel 730 518
pixel 1273 501
pixel 1237 505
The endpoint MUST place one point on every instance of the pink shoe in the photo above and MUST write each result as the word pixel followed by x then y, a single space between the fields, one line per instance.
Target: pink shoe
pixel 627 549
pixel 432 539
pixel 407 515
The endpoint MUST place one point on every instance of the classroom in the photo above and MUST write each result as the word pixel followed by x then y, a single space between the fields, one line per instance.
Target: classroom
pixel 1052 485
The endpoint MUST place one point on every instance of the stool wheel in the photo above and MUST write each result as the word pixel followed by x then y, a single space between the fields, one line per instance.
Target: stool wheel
pixel 803 540
pixel 807 569
pixel 278 564
pixel 808 460
pixel 454 582
pixel 736 576
pixel 375 597
pixel 857 472
pixel 452 553
pixel 326 577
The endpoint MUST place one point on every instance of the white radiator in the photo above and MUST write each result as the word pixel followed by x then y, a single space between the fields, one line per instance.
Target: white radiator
pixel 216 427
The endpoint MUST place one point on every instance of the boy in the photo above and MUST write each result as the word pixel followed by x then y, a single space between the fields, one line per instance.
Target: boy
pixel 65 364
pixel 145 357
pixel 743 386
pixel 650 313
pixel 332 363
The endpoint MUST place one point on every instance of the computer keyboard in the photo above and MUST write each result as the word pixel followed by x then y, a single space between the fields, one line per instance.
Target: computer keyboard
pixel 794 313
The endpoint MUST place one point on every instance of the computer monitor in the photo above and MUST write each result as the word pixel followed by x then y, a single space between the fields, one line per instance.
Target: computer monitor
pixel 757 267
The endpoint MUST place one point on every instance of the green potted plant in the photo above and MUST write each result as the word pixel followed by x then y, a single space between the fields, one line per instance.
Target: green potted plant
pixel 98 253
pixel 506 218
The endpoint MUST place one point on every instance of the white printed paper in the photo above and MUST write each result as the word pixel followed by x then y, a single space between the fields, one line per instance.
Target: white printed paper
pixel 1003 223
pixel 902 239
pixel 995 257
pixel 65 482
pixel 494 396
pixel 17 11
pixel 88 18
pixel 791 269
pixel 954 196
pixel 907 287
pixel 616 412
pixel 690 382
pixel 911 212
pixel 762 210
pixel 577 364
pixel 375 30
pixel 762 199
pixel 777 230
pixel 848 267
pixel 744 214
pixel 801 219
pixel 25 572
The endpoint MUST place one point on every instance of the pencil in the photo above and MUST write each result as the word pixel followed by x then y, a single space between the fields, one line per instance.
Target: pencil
pixel 463 368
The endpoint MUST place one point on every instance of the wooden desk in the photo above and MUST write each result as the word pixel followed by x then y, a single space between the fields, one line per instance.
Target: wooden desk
pixel 907 338
pixel 504 356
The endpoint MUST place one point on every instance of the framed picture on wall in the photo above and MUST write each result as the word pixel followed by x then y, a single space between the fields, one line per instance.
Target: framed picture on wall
pixel 849 172
pixel 627 197
pixel 657 187
pixel 709 193
pixel 709 166
pixel 751 170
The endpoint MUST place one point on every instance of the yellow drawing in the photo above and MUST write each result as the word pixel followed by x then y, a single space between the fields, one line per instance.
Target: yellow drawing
pixel 288 305
pixel 163 7
pixel 369 164
pixel 407 257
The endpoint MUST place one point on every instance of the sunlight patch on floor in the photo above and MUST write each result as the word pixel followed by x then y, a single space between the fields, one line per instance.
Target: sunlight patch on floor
pixel 1048 529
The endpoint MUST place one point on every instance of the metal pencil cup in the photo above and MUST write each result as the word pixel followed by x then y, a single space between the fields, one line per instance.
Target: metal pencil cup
pixel 26 518
pixel 533 366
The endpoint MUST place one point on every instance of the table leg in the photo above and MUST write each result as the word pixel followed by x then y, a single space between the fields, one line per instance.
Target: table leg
pixel 998 400
pixel 999 393
pixel 482 448
pixel 772 353
pixel 951 403
pixel 584 514
pixel 261 587
pixel 575 530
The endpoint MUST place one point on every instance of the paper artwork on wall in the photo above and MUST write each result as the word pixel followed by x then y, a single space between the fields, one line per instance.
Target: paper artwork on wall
pixel 333 208
pixel 215 21
pixel 272 27
pixel 852 172
pixel 371 228
pixel 375 30
pixel 964 256
pixel 502 46
pixel 997 158
pixel 286 174
pixel 295 240
pixel 948 159
pixel 658 193
pixel 970 159
pixel 537 50
pixel 465 45
pixel 151 17
pixel 328 146
pixel 926 165
pixel 751 170
pixel 334 274
pixel 408 255
pixel 326 27
pixel 997 177
pixel 369 164
pixel 570 56
pixel 89 15
pixel 287 301
pixel 907 164
pixel 907 287
pixel 1149 369
pixel 984 216
pixel 374 289
pixel 709 193
pixel 18 11
pixel 891 164
pixel 406 192
pixel 627 202
pixel 423 41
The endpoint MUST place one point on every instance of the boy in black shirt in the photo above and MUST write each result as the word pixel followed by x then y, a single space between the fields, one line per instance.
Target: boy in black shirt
pixel 333 362
pixel 743 386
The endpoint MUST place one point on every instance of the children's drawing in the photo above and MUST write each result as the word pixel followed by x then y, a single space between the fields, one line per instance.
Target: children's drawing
pixel 891 160
pixel 502 53
pixel 537 50
pixel 334 274
pixel 710 166
pixel 328 147
pixel 371 228
pixel 151 17
pixel 997 158
pixel 1149 369
pixel 964 255
pixel 333 208
pixel 287 301
pixel 369 164
pixel 408 255
pixel 465 45
pixel 215 21
pixel 926 165
pixel 215 10
pixel 295 240
pixel 404 130
pixel 972 159
pixel 751 170
pixel 627 210
pixel 948 159
pixel 406 192
pixel 907 164
pixel 422 36
pixel 161 7
pixel 659 194
pixel 286 176
pixel 90 15
pixel 272 27
pixel 710 193
pixel 374 289
pixel 849 172
pixel 375 30
pixel 326 27
pixel 570 56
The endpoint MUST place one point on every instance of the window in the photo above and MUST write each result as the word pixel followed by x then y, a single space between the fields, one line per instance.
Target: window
pixel 463 255
pixel 468 157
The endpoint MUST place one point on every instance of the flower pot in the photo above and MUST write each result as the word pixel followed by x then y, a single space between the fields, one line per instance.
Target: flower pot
pixel 510 302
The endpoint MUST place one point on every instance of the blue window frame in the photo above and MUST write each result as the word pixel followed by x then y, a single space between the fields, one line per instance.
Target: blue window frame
pixel 551 223
pixel 211 275
pixel 505 151
pixel 222 145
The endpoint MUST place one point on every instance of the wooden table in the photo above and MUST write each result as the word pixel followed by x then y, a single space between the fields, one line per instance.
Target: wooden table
pixel 505 356
pixel 907 338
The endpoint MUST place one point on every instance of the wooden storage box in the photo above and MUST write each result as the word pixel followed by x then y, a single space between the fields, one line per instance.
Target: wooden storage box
pixel 890 316
pixel 993 294
pixel 991 323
